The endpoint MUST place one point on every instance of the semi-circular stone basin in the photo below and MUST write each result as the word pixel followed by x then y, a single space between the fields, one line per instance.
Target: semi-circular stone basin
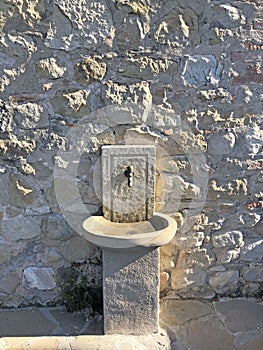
pixel 157 231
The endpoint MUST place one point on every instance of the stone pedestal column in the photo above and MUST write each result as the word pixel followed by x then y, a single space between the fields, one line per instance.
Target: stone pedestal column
pixel 131 290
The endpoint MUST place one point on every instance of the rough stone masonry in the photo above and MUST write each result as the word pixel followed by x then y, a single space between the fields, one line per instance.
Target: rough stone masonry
pixel 191 73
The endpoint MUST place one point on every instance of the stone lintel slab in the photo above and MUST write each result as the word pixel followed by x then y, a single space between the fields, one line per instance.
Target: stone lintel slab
pixel 131 290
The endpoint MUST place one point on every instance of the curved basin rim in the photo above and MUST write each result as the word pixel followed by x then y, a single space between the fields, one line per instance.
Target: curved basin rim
pixel 98 225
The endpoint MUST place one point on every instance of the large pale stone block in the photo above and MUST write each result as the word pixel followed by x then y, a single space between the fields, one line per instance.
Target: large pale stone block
pixel 128 197
pixel 41 278
pixel 131 291
pixel 20 228
pixel 201 70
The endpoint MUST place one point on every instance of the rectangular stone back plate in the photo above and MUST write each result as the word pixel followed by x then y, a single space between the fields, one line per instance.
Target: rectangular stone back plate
pixel 128 197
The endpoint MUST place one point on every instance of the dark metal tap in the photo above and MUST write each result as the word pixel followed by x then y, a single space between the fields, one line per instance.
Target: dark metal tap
pixel 129 172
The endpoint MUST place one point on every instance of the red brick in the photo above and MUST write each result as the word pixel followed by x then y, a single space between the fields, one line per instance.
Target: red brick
pixel 24 98
pixel 248 78
pixel 254 205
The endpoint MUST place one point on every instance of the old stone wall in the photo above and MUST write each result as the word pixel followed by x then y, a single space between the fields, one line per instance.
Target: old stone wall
pixel 183 75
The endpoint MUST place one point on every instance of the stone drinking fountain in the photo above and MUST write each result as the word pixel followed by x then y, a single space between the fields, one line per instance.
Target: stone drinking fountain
pixel 130 233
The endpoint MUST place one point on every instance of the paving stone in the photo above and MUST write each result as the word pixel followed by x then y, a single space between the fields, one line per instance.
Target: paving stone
pixel 243 339
pixel 70 323
pixel 207 335
pixel 176 312
pixel 113 342
pixel 24 323
pixel 241 315
pixel 43 343
pixel 254 345
pixel 93 326
pixel 193 325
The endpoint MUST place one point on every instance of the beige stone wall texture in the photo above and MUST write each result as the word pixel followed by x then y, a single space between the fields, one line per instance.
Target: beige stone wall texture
pixel 191 74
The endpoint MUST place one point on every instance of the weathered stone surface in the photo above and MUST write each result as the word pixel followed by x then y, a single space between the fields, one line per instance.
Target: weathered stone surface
pixel 128 183
pixel 14 148
pixel 41 171
pixel 6 117
pixel 157 341
pixel 252 250
pixel 253 141
pixel 73 103
pixel 36 211
pixel 91 69
pixel 253 345
pixel 41 278
pixel 52 256
pixel 191 239
pixel 226 255
pixel 169 256
pixel 12 69
pixel 184 76
pixel 164 278
pixel 241 316
pixel 231 239
pixel 198 70
pixel 129 33
pixel 146 67
pixel 15 324
pixel 48 68
pixel 218 189
pixel 20 228
pixel 5 252
pixel 253 274
pixel 198 336
pixel 136 98
pixel 21 193
pixel 249 219
pixel 224 281
pixel 56 227
pixel 86 24
pixel 190 142
pixel 32 116
pixel 131 288
pixel 9 283
pixel 203 257
pixel 177 312
pixel 232 15
pixel 188 280
pixel 177 28
pixel 78 249
pixel 221 144
pixel 3 188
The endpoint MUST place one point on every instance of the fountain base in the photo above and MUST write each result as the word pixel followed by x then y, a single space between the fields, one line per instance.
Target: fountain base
pixel 131 291
pixel 130 270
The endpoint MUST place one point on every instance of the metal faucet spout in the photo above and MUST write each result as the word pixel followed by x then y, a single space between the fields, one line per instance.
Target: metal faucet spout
pixel 129 172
